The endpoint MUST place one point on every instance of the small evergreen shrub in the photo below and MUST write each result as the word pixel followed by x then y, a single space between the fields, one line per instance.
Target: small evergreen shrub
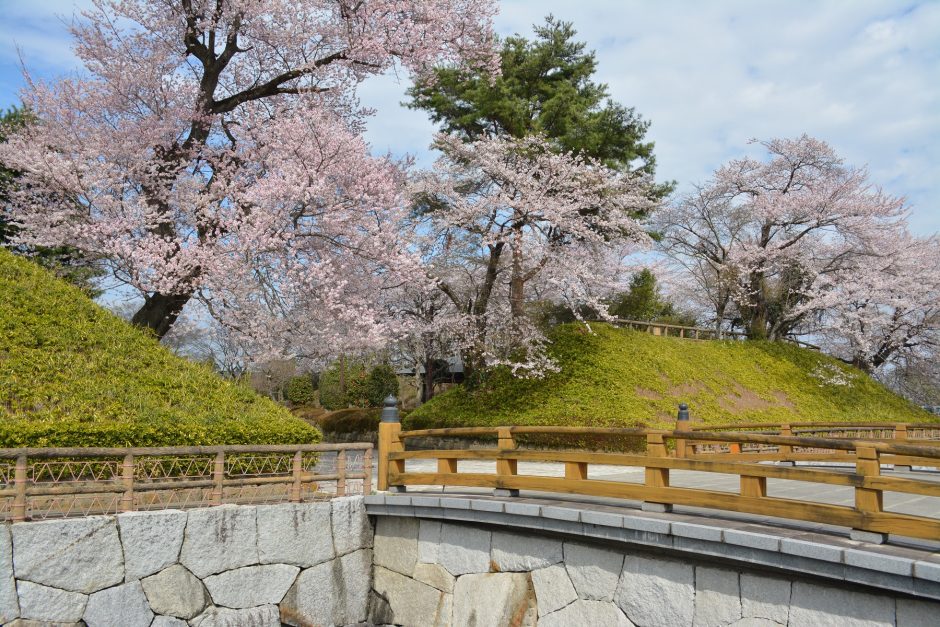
pixel 382 382
pixel 300 390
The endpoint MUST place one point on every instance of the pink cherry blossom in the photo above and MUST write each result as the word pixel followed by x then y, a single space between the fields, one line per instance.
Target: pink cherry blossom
pixel 503 222
pixel 214 150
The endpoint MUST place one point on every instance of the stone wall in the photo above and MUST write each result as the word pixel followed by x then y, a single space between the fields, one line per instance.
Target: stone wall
pixel 430 572
pixel 232 566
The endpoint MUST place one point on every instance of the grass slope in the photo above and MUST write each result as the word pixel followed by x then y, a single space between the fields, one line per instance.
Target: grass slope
pixel 619 377
pixel 73 374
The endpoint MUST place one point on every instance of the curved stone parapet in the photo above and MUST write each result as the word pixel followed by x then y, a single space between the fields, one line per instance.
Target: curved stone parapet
pixel 455 560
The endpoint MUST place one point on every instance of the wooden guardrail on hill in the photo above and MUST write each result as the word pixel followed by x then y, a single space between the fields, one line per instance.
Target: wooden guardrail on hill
pixel 675 450
pixel 37 483
pixel 692 333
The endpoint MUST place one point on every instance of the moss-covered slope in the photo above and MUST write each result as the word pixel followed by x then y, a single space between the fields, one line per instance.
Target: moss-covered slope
pixel 618 377
pixel 72 374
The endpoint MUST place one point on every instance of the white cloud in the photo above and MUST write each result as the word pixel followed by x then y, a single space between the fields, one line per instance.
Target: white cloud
pixel 861 74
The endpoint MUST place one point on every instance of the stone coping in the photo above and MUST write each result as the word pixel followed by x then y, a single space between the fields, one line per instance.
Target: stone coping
pixel 909 570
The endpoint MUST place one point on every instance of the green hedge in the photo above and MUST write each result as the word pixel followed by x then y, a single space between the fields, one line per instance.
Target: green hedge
pixel 352 420
pixel 73 374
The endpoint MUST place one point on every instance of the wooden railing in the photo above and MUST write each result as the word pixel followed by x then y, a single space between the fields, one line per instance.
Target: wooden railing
pixel 674 450
pixel 677 330
pixel 927 434
pixel 38 483
pixel 692 333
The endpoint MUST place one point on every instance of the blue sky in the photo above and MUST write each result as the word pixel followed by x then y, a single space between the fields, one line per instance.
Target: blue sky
pixel 860 74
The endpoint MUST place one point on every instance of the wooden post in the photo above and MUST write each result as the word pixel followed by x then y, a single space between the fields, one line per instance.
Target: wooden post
pixel 901 435
pixel 506 467
pixel 218 479
pixel 447 466
pixel 577 471
pixel 785 450
pixel 389 442
pixel 297 467
pixel 127 479
pixel 367 471
pixel 868 500
pixel 656 477
pixel 753 486
pixel 682 333
pixel 341 472
pixel 19 481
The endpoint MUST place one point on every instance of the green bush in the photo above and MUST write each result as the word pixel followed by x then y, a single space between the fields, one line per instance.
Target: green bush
pixel 73 374
pixel 332 397
pixel 300 390
pixel 352 420
pixel 382 382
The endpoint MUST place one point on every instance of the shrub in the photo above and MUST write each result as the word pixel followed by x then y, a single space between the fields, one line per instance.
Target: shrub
pixel 352 420
pixel 332 397
pixel 382 382
pixel 73 374
pixel 300 390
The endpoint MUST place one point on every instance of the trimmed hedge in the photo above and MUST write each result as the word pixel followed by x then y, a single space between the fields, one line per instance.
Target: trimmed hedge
pixel 352 420
pixel 73 374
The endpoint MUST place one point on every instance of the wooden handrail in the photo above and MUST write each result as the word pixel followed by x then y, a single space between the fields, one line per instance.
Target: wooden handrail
pixel 45 453
pixel 867 455
pixel 815 425
pixel 547 430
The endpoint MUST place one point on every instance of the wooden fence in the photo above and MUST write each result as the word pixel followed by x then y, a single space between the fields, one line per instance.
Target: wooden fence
pixel 37 483
pixel 677 330
pixel 691 333
pixel 677 450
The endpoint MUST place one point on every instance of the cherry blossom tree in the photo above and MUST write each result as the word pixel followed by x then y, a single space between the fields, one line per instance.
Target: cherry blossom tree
pixel 213 149
pixel 770 236
pixel 431 338
pixel 502 221
pixel 887 307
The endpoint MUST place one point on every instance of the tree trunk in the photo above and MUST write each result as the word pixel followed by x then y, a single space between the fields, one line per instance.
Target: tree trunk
pixel 517 281
pixel 757 325
pixel 756 314
pixel 427 383
pixel 160 311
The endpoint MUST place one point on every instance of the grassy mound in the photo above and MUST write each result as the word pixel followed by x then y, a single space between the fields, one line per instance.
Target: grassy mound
pixel 618 377
pixel 72 374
